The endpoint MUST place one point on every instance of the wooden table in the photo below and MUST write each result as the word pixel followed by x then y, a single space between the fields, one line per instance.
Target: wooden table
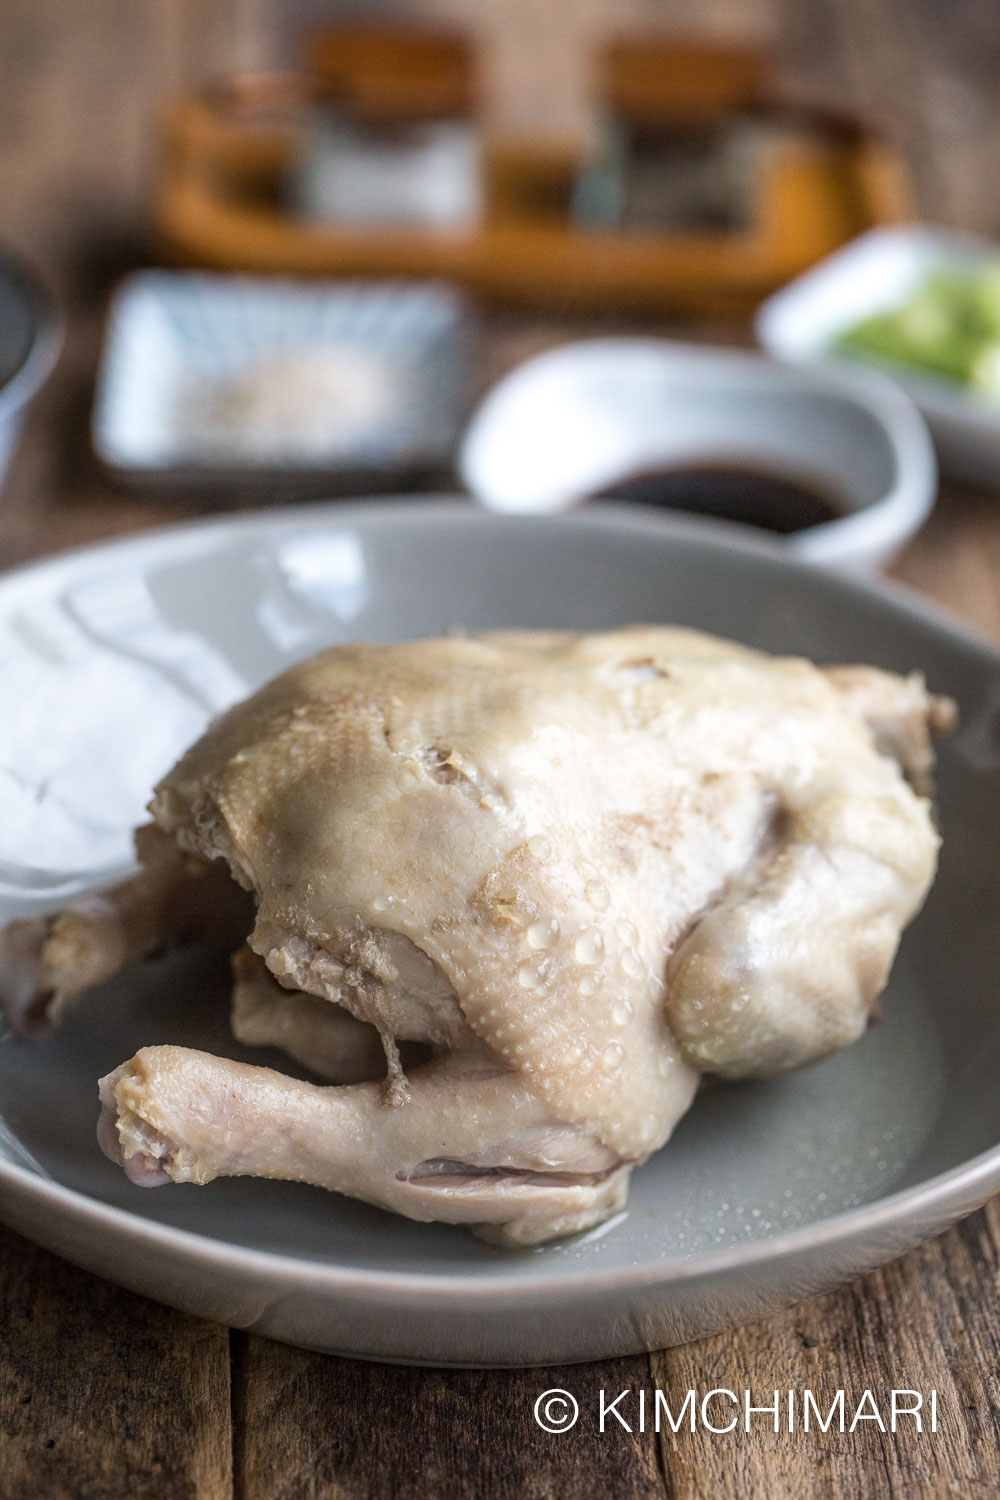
pixel 105 1394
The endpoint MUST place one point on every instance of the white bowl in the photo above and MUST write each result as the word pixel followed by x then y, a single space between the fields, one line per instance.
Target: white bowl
pixel 30 340
pixel 872 274
pixel 569 423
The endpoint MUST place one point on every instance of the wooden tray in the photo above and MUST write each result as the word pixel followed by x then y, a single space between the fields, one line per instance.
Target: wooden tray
pixel 217 201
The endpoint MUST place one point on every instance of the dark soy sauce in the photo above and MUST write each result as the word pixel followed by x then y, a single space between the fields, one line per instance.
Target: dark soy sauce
pixel 752 496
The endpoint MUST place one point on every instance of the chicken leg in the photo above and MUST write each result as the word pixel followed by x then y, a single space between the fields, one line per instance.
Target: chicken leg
pixel 318 1033
pixel 47 963
pixel 471 1146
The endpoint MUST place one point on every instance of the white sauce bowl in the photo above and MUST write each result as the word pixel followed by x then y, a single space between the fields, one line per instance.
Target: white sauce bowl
pixel 570 423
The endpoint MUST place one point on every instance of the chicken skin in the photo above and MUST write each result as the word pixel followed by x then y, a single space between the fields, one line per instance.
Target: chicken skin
pixel 514 894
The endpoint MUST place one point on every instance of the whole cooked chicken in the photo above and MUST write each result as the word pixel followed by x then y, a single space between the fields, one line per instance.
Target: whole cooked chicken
pixel 511 895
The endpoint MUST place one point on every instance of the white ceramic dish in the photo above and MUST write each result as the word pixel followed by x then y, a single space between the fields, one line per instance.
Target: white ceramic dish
pixel 114 657
pixel 573 421
pixel 209 377
pixel 30 339
pixel 874 273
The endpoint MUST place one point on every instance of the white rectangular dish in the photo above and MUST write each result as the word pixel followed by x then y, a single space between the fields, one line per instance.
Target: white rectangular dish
pixel 226 377
pixel 874 273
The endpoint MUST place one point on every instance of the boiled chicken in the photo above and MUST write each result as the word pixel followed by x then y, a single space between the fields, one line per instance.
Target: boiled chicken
pixel 508 897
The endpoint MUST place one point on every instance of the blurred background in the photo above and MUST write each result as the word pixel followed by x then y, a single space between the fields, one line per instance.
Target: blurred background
pixel 570 168
pixel 80 86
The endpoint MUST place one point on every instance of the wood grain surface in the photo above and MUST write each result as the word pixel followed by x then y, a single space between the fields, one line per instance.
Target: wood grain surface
pixel 104 1394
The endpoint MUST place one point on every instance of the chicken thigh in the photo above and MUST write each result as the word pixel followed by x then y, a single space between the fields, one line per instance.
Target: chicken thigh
pixel 551 879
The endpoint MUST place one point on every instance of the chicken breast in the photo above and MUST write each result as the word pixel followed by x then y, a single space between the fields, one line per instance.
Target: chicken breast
pixel 579 871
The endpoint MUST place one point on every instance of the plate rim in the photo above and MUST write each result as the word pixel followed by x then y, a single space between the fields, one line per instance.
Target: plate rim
pixel 451 505
pixel 958 1190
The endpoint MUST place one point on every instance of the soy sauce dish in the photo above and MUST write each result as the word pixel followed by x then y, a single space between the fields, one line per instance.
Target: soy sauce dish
pixel 839 465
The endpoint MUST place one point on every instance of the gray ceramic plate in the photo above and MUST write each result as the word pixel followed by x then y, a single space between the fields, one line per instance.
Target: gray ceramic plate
pixel 113 658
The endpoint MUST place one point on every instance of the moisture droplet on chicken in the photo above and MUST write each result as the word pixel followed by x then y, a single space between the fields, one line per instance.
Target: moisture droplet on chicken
pixel 576 872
